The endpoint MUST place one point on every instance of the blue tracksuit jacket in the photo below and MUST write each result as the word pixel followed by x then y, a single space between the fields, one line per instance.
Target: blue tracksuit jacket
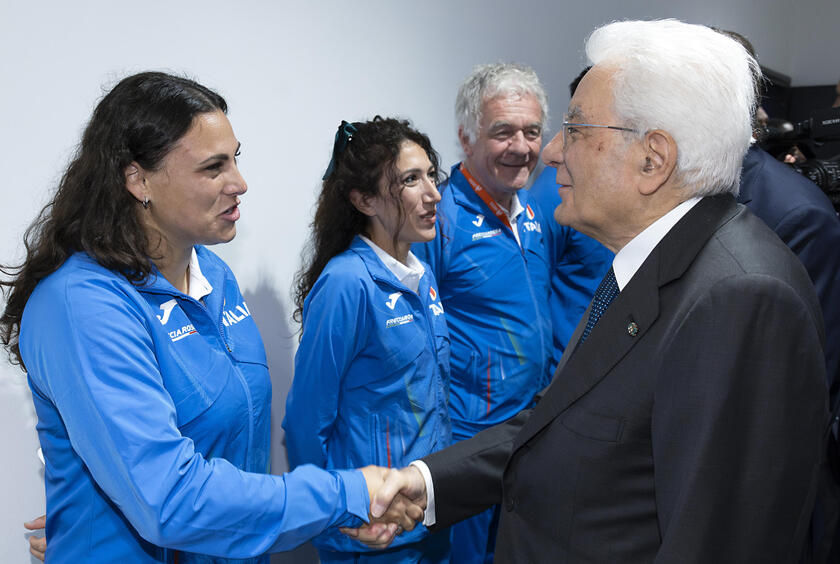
pixel 371 383
pixel 577 263
pixel 153 415
pixel 496 299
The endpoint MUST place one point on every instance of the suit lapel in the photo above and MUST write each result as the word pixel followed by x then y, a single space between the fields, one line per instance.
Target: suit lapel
pixel 629 317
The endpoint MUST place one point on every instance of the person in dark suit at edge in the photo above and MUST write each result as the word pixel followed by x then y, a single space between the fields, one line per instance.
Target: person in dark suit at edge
pixel 804 219
pixel 686 419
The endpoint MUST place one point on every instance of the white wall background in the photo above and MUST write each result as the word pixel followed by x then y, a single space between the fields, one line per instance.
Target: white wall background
pixel 290 72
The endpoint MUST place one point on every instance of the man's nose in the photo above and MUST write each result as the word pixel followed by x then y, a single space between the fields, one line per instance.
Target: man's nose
pixel 518 143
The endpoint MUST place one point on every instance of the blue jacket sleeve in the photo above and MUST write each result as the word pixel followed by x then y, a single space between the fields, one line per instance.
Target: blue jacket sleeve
pixel 333 321
pixel 100 371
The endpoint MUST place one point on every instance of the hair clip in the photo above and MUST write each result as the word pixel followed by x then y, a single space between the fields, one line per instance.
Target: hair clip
pixel 342 138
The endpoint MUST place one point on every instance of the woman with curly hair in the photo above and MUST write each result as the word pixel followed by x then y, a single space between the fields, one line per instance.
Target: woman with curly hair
pixel 372 370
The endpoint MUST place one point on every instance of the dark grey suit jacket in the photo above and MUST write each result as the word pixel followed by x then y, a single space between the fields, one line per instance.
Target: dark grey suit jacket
pixel 687 428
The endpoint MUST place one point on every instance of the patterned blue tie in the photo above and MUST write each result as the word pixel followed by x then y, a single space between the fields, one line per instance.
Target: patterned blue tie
pixel 604 295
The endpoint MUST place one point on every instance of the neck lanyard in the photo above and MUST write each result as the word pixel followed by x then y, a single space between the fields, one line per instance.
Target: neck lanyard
pixel 486 198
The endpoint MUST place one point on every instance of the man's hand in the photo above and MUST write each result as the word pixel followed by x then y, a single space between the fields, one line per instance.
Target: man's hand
pixel 37 545
pixel 398 498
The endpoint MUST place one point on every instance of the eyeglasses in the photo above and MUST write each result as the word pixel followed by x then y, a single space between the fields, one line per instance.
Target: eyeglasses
pixel 569 126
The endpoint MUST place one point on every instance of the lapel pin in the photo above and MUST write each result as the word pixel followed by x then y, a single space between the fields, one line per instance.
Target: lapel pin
pixel 632 329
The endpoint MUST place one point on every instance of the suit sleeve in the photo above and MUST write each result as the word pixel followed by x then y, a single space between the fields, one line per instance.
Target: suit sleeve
pixel 467 476
pixel 333 325
pixel 737 444
pixel 95 360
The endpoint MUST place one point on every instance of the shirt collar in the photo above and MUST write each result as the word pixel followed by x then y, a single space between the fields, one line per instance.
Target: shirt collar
pixel 199 286
pixel 408 274
pixel 515 208
pixel 628 260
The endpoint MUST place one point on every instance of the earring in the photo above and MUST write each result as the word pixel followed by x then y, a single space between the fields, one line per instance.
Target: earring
pixel 145 202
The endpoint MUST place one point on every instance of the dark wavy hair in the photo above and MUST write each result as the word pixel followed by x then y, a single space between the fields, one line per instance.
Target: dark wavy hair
pixel 368 157
pixel 140 120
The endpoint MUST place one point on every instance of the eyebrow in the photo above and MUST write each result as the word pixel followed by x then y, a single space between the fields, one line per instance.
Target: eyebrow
pixel 219 156
pixel 575 115
pixel 499 125
pixel 415 170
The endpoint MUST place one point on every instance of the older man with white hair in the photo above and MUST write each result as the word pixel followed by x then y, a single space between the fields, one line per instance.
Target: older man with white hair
pixel 490 263
pixel 685 421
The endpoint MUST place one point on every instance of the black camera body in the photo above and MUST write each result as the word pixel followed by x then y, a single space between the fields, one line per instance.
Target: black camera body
pixel 822 127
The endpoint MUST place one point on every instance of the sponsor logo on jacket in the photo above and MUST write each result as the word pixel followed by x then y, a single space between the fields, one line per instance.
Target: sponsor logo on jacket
pixel 392 300
pixel 167 311
pixel 486 234
pixel 182 333
pixel 401 320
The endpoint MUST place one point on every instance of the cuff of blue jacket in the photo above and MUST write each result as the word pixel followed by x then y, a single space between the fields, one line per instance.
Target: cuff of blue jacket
pixel 356 496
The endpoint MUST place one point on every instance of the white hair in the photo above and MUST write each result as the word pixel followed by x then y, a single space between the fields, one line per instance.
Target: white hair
pixel 486 82
pixel 690 81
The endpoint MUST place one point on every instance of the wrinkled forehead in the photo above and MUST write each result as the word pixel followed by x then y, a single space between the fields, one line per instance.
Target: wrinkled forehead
pixel 593 98
pixel 522 110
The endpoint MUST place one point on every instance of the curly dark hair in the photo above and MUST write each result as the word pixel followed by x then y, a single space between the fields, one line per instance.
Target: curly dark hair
pixel 140 120
pixel 368 157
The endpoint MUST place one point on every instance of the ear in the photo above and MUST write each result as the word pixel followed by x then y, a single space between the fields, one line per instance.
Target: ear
pixel 362 203
pixel 466 146
pixel 135 182
pixel 659 160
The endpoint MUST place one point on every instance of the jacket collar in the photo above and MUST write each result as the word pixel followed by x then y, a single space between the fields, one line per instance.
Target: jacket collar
pixel 211 268
pixel 375 268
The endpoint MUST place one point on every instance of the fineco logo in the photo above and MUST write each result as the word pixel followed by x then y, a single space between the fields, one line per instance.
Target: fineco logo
pixel 486 234
pixel 397 321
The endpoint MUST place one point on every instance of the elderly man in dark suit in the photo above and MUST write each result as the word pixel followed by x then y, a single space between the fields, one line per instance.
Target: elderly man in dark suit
pixel 686 419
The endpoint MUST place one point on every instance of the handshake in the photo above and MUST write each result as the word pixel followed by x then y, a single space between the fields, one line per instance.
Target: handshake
pixel 397 503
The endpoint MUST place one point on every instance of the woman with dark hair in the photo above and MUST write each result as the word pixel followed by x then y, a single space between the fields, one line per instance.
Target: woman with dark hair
pixel 372 370
pixel 147 371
